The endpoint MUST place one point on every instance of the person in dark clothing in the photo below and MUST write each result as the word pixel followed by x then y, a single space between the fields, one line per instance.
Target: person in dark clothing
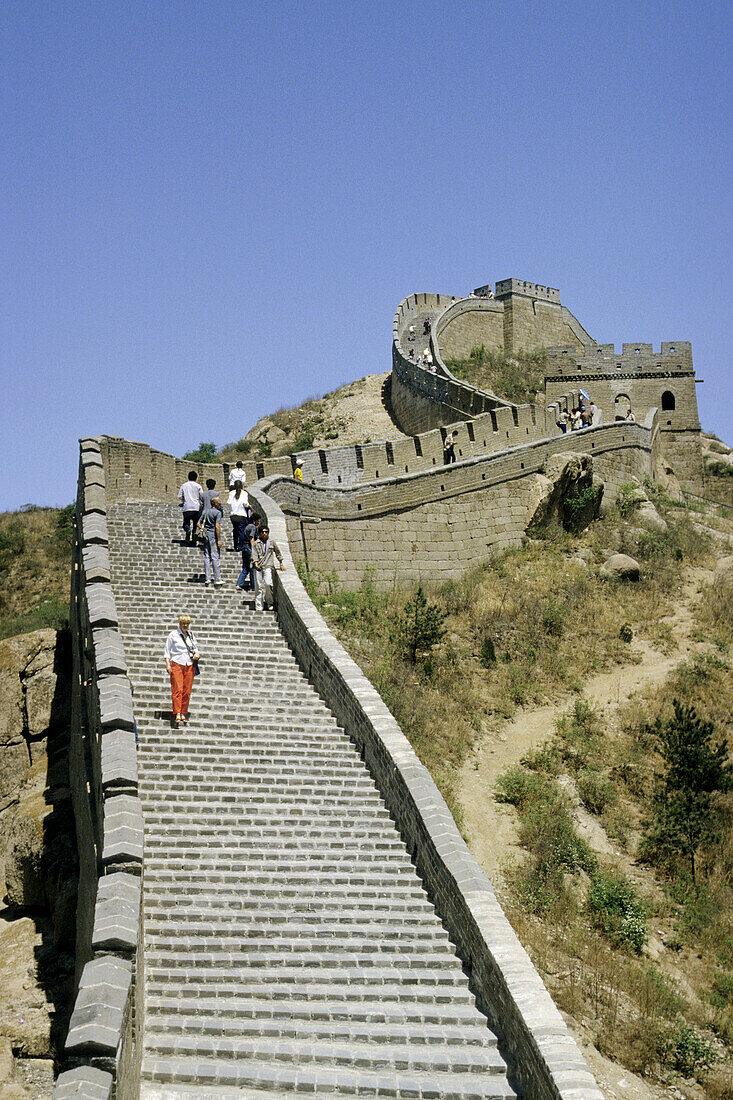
pixel 449 449
pixel 246 579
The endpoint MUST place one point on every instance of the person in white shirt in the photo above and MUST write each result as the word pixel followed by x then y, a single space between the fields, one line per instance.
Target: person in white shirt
pixel 190 497
pixel 239 513
pixel 181 661
pixel 237 473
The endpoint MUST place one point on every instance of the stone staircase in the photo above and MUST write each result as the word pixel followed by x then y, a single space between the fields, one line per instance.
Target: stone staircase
pixel 289 945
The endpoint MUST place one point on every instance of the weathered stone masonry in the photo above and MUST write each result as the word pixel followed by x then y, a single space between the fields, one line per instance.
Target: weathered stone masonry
pixel 102 1052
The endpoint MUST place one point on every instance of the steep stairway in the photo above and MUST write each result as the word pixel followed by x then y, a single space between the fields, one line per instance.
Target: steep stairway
pixel 289 945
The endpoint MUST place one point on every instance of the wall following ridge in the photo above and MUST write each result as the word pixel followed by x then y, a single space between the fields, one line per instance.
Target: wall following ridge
pixel 435 525
pixel 139 472
pixel 508 988
pixel 102 1051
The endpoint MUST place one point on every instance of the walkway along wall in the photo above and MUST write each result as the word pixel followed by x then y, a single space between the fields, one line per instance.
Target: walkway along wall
pixel 102 1051
pixel 136 471
pixel 437 524
pixel 507 987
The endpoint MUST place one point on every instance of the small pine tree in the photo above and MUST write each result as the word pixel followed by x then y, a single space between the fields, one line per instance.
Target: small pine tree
pixel 205 452
pixel 419 627
pixel 695 769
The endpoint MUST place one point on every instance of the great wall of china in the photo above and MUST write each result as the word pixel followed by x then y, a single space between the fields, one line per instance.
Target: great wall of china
pixel 277 901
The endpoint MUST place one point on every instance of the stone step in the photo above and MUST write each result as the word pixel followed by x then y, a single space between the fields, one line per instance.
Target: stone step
pixel 385 983
pixel 300 1010
pixel 199 932
pixel 324 1081
pixel 315 1051
pixel 396 1030
pixel 290 948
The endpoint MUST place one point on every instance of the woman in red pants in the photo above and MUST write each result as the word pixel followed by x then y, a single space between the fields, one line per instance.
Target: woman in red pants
pixel 181 659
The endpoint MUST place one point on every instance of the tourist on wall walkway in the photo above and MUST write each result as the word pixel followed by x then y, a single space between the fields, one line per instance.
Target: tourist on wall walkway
pixel 181 663
pixel 239 513
pixel 237 473
pixel 190 497
pixel 210 527
pixel 264 552
pixel 246 578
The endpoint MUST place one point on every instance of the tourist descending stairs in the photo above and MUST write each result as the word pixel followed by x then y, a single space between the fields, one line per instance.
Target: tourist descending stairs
pixel 289 945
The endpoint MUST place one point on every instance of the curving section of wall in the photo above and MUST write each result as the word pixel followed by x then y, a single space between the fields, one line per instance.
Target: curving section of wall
pixel 422 399
pixel 437 524
pixel 102 1052
pixel 508 988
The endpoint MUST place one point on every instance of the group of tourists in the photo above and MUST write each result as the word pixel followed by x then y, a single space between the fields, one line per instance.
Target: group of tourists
pixel 203 514
pixel 585 415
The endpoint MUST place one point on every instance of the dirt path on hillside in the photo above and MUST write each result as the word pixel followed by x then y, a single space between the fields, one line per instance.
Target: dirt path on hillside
pixel 491 827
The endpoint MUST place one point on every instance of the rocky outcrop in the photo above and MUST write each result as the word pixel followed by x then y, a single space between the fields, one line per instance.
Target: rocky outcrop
pixel 565 495
pixel 37 846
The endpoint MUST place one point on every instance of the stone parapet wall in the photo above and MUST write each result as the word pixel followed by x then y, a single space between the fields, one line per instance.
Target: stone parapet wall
pixel 641 378
pixel 507 987
pixel 446 520
pixel 102 1052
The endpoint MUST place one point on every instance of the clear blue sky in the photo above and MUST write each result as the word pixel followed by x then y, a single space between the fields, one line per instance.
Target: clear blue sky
pixel 210 210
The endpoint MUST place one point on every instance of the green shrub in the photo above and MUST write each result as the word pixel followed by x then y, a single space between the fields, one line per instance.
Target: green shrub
pixel 419 627
pixel 205 452
pixel 487 656
pixel 580 508
pixel 596 792
pixel 553 618
pixel 627 500
pixel 520 787
pixel 547 831
pixel 689 1052
pixel 626 634
pixel 617 911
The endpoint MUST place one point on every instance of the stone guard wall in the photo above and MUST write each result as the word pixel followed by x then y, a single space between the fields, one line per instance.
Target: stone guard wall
pixel 442 522
pixel 102 1051
pixel 507 986
pixel 645 377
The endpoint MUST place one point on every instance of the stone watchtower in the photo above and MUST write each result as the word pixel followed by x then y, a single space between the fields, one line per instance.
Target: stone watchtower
pixel 640 379
pixel 516 316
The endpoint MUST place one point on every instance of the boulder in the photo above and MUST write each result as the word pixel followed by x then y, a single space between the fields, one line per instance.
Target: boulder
pixel 620 567
pixel 25 1014
pixel 554 496
pixel 24 842
pixel 12 708
pixel 40 690
pixel 647 514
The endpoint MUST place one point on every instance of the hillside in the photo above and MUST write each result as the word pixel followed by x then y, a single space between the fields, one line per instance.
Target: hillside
pixel 354 413
pixel 35 546
pixel 533 713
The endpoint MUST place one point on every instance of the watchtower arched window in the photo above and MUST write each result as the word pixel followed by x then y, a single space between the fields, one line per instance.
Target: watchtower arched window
pixel 622 406
pixel 668 401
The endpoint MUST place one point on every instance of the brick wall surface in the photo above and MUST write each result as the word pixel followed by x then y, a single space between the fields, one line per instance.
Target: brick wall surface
pixel 643 379
pixel 101 1050
pixel 450 518
pixel 506 984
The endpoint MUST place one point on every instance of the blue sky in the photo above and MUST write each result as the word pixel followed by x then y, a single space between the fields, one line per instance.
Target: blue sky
pixel 210 210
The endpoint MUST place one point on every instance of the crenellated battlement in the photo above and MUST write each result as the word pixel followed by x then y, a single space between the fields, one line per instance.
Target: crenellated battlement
pixel 673 357
pixel 505 287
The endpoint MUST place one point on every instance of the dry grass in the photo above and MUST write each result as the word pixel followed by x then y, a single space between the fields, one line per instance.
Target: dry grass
pixel 515 376
pixel 527 628
pixel 34 569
